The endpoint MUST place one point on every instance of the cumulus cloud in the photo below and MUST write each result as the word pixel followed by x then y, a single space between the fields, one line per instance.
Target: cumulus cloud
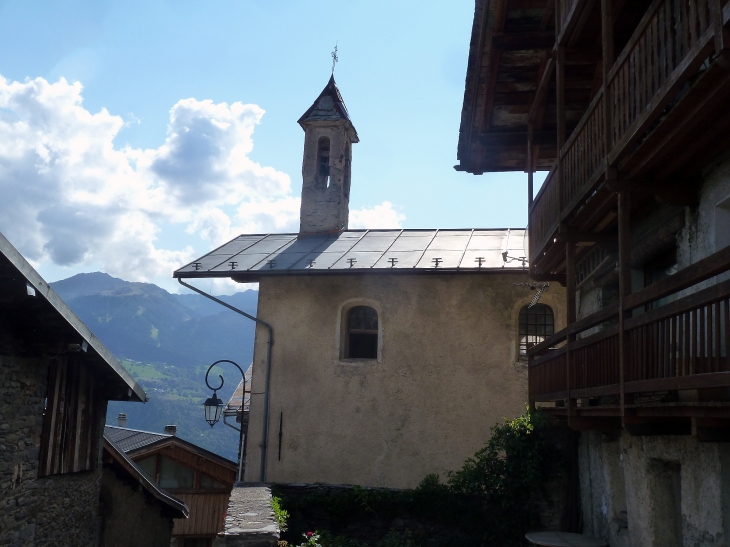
pixel 70 197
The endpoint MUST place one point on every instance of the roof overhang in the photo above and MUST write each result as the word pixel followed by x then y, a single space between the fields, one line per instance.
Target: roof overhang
pixel 249 258
pixel 172 507
pixel 38 321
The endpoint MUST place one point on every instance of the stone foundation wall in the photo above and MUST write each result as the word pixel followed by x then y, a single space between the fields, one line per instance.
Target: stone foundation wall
pixel 657 491
pixel 53 511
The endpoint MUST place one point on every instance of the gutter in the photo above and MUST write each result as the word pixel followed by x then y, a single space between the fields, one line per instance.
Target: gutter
pixel 270 342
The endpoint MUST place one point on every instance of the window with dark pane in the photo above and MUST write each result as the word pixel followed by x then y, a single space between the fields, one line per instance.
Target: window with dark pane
pixel 362 333
pixel 323 158
pixel 147 466
pixel 174 475
pixel 536 324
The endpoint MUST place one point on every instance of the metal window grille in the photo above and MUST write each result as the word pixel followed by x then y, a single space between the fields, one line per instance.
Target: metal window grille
pixel 536 324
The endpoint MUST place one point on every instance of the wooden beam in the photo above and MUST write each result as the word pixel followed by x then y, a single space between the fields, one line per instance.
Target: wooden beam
pixel 642 426
pixel 624 283
pixel 516 138
pixel 500 17
pixel 541 93
pixel 523 40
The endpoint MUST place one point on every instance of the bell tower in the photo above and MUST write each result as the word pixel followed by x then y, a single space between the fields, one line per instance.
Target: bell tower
pixel 326 167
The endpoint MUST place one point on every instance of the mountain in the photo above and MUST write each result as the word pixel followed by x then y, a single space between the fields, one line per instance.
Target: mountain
pixel 167 341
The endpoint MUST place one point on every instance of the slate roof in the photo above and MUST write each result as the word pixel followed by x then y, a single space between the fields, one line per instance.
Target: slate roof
pixel 249 257
pixel 135 441
pixel 329 106
pixel 131 439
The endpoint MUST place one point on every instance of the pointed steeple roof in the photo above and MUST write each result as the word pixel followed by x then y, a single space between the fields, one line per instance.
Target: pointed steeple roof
pixel 329 106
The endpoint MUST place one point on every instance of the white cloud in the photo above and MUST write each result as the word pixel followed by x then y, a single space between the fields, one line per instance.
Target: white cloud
pixel 380 216
pixel 71 198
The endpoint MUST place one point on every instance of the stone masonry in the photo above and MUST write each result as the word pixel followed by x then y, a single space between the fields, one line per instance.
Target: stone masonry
pixel 250 519
pixel 56 510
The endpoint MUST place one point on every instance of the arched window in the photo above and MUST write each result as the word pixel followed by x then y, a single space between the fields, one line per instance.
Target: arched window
pixel 323 160
pixel 536 324
pixel 362 333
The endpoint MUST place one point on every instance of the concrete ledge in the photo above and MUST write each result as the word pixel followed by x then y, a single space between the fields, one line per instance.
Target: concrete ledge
pixel 250 519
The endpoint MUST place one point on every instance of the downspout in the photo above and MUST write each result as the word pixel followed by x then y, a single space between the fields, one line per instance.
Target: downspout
pixel 265 429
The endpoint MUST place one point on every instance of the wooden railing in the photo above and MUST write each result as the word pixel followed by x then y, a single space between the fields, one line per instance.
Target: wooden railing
pixel 680 345
pixel 544 214
pixel 671 40
pixel 670 43
pixel 583 154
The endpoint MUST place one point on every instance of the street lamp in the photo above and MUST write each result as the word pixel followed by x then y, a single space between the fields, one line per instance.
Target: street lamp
pixel 214 407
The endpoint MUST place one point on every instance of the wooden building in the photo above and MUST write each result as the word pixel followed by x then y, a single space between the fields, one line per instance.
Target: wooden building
pixel 626 105
pixel 199 478
pixel 55 381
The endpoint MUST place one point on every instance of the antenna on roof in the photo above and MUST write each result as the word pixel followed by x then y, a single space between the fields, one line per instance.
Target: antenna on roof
pixel 334 58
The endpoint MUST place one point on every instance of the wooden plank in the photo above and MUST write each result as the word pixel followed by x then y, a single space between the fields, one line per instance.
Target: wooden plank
pixel 701 270
pixel 506 41
pixel 677 383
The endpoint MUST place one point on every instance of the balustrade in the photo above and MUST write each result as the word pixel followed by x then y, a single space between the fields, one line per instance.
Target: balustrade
pixel 669 45
pixel 682 344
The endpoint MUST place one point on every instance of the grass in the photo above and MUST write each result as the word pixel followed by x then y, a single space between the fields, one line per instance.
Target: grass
pixel 142 371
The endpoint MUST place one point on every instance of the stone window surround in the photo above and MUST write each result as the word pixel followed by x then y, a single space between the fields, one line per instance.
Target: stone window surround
pixel 341 332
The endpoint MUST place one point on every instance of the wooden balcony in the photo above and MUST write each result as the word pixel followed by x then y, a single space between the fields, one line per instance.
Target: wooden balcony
pixel 644 123
pixel 602 366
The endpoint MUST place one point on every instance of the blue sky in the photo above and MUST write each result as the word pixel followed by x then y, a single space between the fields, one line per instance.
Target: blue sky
pixel 401 73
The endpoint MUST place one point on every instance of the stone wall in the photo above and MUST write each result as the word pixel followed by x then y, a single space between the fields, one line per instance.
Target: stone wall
pixel 128 518
pixel 55 510
pixel 22 392
pixel 658 491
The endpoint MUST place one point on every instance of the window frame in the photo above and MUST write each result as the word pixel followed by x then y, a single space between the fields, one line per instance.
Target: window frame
pixel 523 356
pixel 343 333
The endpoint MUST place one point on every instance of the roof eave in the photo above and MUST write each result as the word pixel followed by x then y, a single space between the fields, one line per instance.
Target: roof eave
pixel 134 390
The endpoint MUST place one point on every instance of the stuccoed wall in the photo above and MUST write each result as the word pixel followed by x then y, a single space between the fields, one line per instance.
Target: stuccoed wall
pixel 630 499
pixel 56 510
pixel 129 519
pixel 447 373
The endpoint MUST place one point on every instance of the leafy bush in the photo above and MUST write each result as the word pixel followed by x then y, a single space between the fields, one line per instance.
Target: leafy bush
pixel 280 514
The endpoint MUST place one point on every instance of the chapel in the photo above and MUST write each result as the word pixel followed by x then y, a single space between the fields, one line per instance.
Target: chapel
pixel 381 356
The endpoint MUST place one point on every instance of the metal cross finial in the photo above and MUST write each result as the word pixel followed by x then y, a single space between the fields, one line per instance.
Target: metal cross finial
pixel 334 59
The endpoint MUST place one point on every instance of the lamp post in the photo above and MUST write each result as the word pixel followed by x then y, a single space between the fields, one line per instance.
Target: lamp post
pixel 214 406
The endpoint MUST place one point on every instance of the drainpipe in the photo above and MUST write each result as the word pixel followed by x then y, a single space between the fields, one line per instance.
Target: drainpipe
pixel 269 328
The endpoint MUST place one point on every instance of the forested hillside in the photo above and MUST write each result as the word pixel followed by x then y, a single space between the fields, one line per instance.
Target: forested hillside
pixel 167 341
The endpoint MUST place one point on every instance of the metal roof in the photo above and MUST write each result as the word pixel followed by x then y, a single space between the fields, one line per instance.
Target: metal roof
pixel 33 309
pixel 131 439
pixel 249 257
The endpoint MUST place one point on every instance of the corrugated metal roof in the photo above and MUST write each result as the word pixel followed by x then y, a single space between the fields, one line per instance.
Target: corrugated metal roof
pixel 361 251
pixel 131 439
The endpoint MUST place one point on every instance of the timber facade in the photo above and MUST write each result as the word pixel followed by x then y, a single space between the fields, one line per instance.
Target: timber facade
pixel 626 105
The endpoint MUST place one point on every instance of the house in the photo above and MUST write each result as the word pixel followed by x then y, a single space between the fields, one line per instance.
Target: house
pixel 55 381
pixel 135 511
pixel 200 479
pixel 625 105
pixel 381 355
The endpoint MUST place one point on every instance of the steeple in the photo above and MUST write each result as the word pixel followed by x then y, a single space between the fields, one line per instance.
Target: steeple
pixel 326 167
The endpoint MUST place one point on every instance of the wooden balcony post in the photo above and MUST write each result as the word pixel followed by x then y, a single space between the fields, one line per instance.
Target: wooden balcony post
pixel 716 14
pixel 530 181
pixel 624 285
pixel 570 319
pixel 560 96
pixel 608 60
